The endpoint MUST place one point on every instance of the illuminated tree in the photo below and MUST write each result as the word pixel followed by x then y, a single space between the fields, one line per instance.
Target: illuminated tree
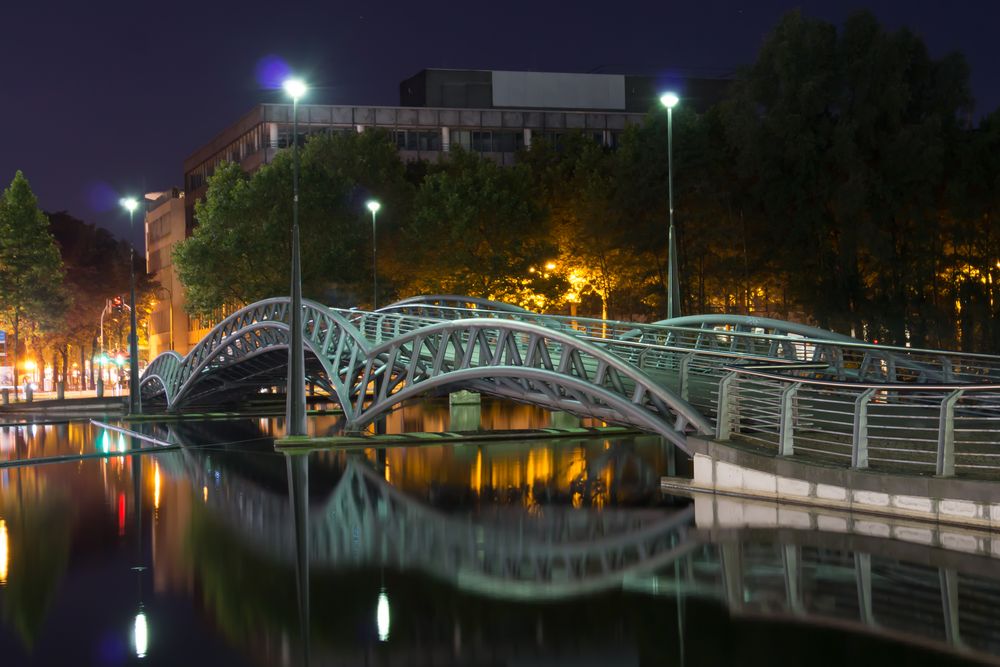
pixel 31 270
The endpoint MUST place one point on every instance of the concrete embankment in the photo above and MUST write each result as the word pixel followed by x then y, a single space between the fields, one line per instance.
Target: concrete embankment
pixel 725 468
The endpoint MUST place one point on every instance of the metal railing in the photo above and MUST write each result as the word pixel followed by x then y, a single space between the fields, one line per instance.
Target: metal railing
pixel 847 359
pixel 940 429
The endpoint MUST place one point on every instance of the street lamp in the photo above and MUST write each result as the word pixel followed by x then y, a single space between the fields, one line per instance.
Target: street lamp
pixel 374 206
pixel 295 409
pixel 670 100
pixel 134 398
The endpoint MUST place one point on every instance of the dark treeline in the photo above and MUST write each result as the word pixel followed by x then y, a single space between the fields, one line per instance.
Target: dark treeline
pixel 843 182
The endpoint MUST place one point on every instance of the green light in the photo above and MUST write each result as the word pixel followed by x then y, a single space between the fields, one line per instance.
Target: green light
pixel 373 206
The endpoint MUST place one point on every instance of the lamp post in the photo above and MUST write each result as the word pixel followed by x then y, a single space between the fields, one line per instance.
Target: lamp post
pixel 295 409
pixel 374 206
pixel 670 100
pixel 134 398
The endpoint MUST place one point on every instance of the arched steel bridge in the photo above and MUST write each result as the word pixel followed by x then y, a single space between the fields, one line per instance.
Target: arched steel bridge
pixel 665 377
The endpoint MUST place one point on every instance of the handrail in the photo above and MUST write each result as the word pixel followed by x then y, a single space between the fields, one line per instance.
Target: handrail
pixel 840 339
pixel 885 386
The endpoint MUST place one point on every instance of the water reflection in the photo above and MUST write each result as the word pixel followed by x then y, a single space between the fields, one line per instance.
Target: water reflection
pixel 548 551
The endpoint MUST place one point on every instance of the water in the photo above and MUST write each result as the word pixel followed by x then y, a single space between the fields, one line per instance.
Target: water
pixel 541 552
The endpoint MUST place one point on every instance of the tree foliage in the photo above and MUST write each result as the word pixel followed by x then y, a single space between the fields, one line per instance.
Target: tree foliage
pixel 240 250
pixel 31 270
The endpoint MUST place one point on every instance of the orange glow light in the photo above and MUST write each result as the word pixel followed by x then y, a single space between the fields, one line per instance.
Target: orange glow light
pixel 4 552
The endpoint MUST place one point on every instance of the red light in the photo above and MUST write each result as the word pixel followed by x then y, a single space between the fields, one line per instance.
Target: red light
pixel 875 341
pixel 121 514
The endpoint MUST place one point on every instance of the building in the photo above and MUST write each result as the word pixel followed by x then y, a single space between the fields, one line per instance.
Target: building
pixel 168 323
pixel 496 113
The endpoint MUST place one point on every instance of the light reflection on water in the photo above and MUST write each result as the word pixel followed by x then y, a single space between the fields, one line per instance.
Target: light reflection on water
pixel 543 551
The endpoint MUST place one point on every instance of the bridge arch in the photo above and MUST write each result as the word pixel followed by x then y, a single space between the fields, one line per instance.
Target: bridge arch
pixel 525 362
pixel 373 361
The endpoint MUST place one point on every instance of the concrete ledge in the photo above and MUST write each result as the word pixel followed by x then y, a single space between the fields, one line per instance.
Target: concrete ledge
pixel 722 517
pixel 360 441
pixel 726 468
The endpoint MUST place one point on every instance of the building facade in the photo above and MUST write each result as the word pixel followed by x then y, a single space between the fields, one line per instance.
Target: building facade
pixel 165 227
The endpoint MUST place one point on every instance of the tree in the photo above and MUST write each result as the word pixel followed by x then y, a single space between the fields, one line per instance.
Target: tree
pixel 841 140
pixel 31 270
pixel 240 250
pixel 96 270
pixel 477 230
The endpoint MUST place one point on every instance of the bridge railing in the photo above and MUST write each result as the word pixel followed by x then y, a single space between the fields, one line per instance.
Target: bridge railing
pixel 943 430
pixel 847 359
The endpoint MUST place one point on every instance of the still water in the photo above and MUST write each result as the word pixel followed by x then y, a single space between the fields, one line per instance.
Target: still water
pixel 532 552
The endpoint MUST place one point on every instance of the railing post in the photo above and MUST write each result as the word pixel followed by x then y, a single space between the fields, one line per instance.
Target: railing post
pixel 683 381
pixel 786 429
pixel 726 412
pixel 859 442
pixel 946 435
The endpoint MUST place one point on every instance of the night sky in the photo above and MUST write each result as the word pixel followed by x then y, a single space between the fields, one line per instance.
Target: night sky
pixel 101 99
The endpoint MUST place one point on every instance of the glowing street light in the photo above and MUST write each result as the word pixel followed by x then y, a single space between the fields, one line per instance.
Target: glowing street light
pixel 670 100
pixel 295 88
pixel 295 409
pixel 374 206
pixel 134 398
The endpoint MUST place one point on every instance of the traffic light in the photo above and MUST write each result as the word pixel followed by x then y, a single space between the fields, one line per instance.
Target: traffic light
pixel 118 304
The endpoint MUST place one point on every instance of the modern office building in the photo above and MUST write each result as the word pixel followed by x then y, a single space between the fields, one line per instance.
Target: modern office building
pixel 496 113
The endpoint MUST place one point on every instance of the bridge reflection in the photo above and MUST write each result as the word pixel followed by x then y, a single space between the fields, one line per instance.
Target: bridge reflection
pixel 356 522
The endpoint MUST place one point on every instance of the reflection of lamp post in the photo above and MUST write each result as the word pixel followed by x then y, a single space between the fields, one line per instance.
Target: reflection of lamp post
pixel 670 100
pixel 134 399
pixel 382 615
pixel 374 206
pixel 295 409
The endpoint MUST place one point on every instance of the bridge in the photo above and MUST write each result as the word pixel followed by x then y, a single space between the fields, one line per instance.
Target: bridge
pixel 785 387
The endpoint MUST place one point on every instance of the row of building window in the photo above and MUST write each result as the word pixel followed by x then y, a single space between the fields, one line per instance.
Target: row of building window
pixel 481 141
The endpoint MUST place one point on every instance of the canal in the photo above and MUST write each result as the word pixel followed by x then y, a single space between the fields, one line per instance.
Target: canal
pixel 526 551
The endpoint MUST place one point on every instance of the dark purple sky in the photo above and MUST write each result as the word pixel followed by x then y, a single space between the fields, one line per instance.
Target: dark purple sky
pixel 105 98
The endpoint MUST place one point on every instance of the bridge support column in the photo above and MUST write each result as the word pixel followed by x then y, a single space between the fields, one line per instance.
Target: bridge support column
pixel 728 409
pixel 564 420
pixel 949 603
pixel 464 410
pixel 859 445
pixel 684 380
pixel 793 578
pixel 732 573
pixel 786 429
pixel 863 573
pixel 946 435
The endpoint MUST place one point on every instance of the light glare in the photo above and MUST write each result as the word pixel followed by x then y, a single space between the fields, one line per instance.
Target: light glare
pixel 373 205
pixel 4 552
pixel 141 635
pixel 669 100
pixel 382 616
pixel 130 203
pixel 295 88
